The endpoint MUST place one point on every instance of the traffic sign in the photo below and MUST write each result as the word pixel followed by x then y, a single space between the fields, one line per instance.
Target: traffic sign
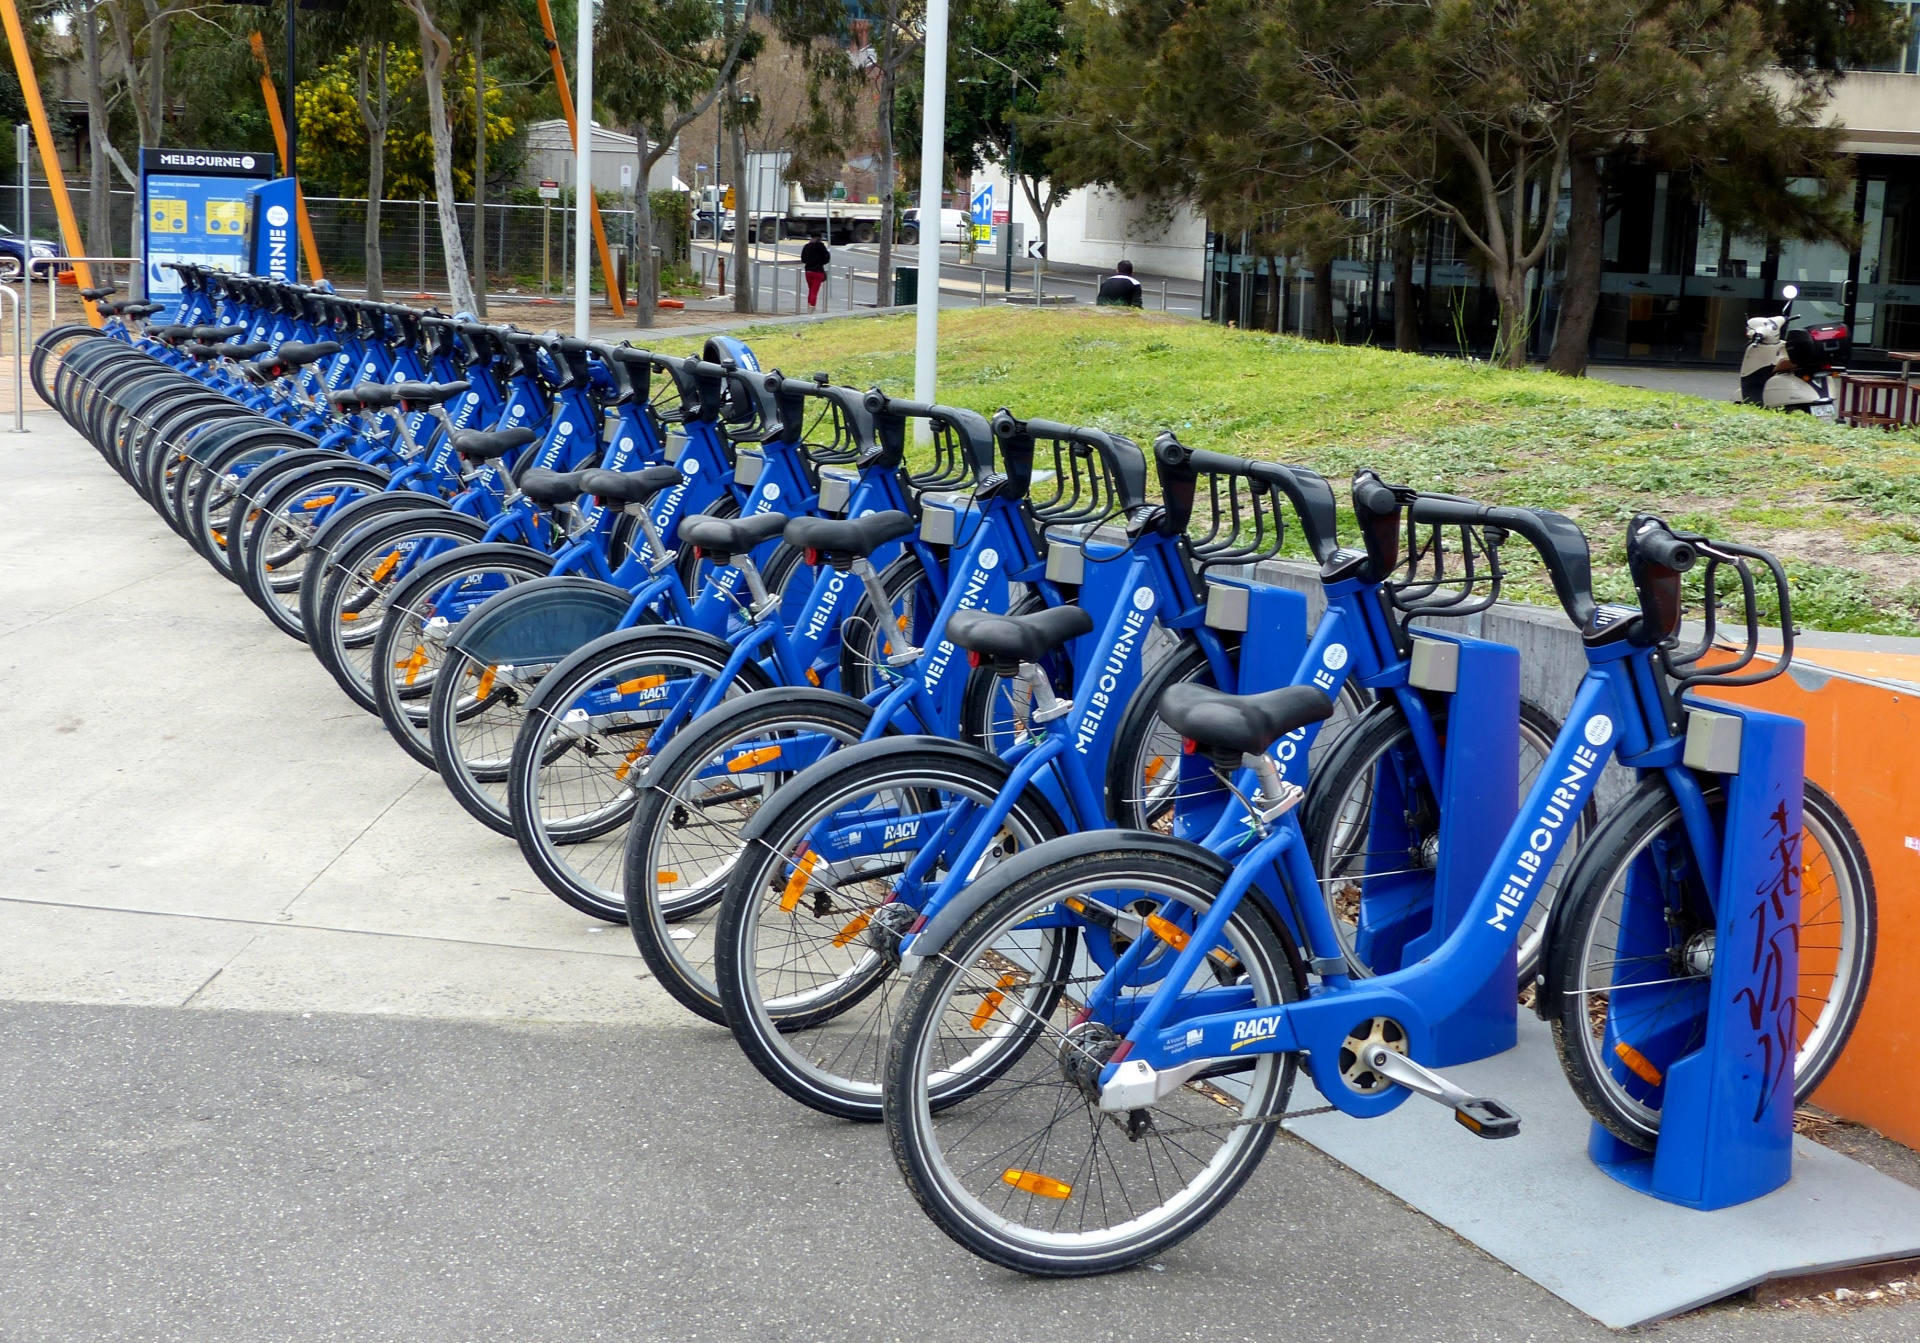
pixel 549 191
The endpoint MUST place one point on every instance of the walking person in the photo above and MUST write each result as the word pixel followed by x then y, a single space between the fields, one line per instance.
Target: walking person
pixel 1120 288
pixel 814 259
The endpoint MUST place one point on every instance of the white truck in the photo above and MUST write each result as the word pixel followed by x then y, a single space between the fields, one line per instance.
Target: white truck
pixel 778 208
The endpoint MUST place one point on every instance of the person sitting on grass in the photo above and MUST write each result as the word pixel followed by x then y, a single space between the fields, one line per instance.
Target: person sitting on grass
pixel 1120 288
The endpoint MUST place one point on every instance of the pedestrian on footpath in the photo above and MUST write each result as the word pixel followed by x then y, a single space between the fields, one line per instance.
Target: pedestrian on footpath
pixel 814 260
pixel 1120 288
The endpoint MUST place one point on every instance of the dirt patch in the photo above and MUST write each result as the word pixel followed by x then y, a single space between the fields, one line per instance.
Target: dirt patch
pixel 1885 568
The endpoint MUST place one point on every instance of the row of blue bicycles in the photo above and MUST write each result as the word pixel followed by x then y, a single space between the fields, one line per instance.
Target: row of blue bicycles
pixel 966 767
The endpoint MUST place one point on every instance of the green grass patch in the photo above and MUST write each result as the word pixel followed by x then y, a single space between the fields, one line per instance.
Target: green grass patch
pixel 1840 506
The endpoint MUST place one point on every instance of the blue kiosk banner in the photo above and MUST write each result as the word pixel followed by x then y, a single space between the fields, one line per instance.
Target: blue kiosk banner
pixel 194 202
pixel 270 211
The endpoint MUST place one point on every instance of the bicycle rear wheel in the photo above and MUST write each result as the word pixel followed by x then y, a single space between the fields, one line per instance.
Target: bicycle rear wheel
pixel 1022 1167
pixel 1629 959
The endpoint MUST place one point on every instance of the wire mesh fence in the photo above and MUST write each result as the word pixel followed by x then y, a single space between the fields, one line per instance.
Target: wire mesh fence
pixel 529 247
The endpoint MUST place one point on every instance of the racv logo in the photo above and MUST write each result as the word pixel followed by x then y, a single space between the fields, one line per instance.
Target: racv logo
pixel 1255 1030
pixel 1561 805
pixel 899 832
pixel 1108 682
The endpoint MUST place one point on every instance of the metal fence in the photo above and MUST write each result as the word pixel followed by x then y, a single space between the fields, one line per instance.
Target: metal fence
pixel 519 238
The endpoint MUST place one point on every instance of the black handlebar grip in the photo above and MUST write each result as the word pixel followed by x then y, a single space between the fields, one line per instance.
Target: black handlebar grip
pixel 1372 497
pixel 1663 548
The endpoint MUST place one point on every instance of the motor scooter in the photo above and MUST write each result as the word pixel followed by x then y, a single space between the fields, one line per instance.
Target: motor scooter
pixel 1811 350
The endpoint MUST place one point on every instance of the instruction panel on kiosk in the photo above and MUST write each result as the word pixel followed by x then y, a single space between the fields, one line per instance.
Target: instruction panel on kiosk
pixel 194 202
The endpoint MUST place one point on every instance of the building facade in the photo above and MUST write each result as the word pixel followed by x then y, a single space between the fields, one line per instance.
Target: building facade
pixel 1676 287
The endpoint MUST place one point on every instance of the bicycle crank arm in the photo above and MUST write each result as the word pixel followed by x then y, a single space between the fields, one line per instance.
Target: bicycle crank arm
pixel 1480 1115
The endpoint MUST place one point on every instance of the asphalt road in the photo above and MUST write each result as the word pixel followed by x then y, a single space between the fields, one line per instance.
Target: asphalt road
pixel 960 283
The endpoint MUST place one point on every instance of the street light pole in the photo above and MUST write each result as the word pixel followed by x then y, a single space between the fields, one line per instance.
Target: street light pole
pixel 583 169
pixel 286 94
pixel 933 136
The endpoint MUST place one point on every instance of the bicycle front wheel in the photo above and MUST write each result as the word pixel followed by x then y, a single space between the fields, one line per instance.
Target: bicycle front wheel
pixel 804 957
pixel 1630 960
pixel 1023 1168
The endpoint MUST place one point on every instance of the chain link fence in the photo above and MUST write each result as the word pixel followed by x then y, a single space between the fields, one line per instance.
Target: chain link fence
pixel 527 245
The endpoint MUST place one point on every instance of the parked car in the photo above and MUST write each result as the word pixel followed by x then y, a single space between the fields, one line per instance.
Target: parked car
pixel 955 226
pixel 10 246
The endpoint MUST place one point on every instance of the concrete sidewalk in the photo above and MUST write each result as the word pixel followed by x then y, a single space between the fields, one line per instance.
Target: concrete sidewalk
pixel 291 1047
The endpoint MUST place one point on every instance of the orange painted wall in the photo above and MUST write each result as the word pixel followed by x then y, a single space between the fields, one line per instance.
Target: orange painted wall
pixel 1863 746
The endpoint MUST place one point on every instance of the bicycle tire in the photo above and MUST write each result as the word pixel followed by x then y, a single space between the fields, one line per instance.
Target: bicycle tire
pixel 1000 1167
pixel 687 834
pixel 598 799
pixel 814 1012
pixel 1621 1092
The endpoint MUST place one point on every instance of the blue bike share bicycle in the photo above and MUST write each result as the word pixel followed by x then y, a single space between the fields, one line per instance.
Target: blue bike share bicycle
pixel 1102 1033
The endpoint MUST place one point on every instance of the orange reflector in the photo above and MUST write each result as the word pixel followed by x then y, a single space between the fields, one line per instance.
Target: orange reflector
pixel 1640 1065
pixel 991 1003
pixel 1154 766
pixel 901 622
pixel 662 877
pixel 638 684
pixel 854 928
pixel 413 664
pixel 385 567
pixel 321 502
pixel 485 688
pixel 813 677
pixel 797 883
pixel 1173 935
pixel 348 617
pixel 748 759
pixel 626 766
pixel 1032 1182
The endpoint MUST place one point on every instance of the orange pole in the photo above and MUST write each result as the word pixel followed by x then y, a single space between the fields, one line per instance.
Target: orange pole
pixel 280 138
pixel 49 157
pixel 573 129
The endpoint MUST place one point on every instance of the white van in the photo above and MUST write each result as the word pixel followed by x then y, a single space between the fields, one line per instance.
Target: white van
pixel 955 225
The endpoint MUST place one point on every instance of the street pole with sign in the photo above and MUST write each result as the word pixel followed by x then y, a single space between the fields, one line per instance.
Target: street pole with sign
pixel 549 193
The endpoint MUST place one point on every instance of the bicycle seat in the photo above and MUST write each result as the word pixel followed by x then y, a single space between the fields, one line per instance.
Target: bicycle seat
pixel 212 334
pixel 1011 640
pixel 135 310
pixel 1241 724
pixel 199 349
pixel 98 292
pixel 294 354
pixel 429 393
pixel 843 540
pixel 549 488
pixel 630 487
pixel 229 350
pixel 481 445
pixel 731 536
pixel 172 335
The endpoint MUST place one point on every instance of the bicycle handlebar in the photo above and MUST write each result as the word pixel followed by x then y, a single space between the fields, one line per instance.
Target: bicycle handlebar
pixel 1557 539
pixel 1307 490
pixel 1125 463
pixel 974 432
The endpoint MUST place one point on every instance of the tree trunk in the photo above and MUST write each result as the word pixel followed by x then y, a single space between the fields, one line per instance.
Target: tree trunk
pixel 159 20
pixel 1406 313
pixel 1510 287
pixel 1323 328
pixel 883 296
pixel 373 114
pixel 479 170
pixel 1276 314
pixel 1580 290
pixel 646 297
pixel 743 295
pixel 436 54
pixel 99 199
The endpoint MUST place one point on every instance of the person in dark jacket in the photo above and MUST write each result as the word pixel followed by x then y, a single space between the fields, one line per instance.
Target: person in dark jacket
pixel 814 259
pixel 1120 287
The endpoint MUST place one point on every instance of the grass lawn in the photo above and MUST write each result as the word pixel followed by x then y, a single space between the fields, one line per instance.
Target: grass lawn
pixel 1840 506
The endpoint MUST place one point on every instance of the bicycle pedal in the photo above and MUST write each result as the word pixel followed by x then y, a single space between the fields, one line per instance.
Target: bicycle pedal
pixel 1485 1117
